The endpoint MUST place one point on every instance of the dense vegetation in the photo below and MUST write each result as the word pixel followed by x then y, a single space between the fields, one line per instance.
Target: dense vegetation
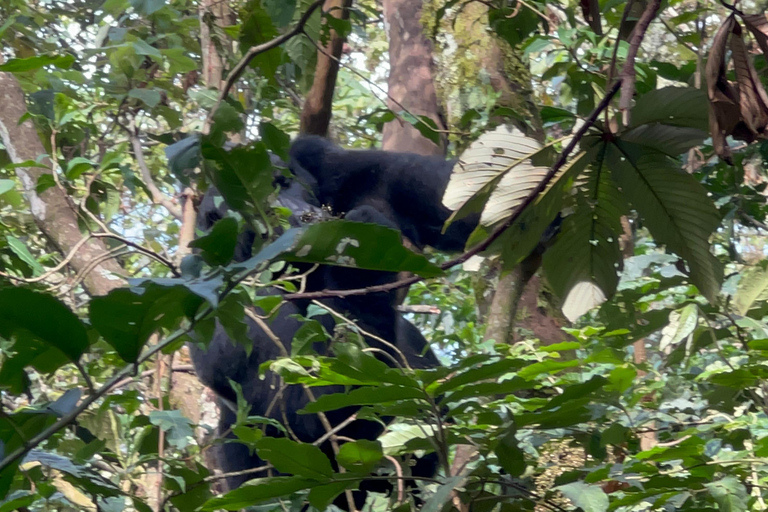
pixel 631 378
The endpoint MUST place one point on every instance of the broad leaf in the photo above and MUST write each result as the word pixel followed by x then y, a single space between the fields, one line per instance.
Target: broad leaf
pixel 673 106
pixel 753 288
pixel 127 317
pixel 590 498
pixel 299 459
pixel 259 490
pixel 587 247
pixel 45 318
pixel 674 207
pixel 362 396
pixel 497 166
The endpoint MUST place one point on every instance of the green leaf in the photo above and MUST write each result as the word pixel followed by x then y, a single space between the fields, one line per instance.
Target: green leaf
pixel 587 247
pixel 244 175
pixel 674 207
pixel 218 246
pixel 141 47
pixel 670 140
pixel 361 456
pixel 276 140
pixel 20 249
pixel 362 396
pixel 345 243
pixel 590 498
pixel 674 106
pixel 555 115
pixel 178 60
pixel 177 427
pixel 281 11
pixel 443 494
pixel 77 166
pixel 31 63
pixel 259 490
pixel 729 494
pixel 492 370
pixel 150 97
pixel 753 288
pixel 147 7
pixel 257 28
pixel 127 317
pixel 183 155
pixel 510 456
pixel 6 186
pixel 24 309
pixel 681 324
pixel 299 459
pixel 320 497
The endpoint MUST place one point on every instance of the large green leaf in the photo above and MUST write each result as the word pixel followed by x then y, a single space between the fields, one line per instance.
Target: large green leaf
pixel 45 318
pixel 363 396
pixel 674 207
pixel 243 175
pixel 674 106
pixel 127 317
pixel 590 498
pixel 348 244
pixel 300 459
pixel 587 248
pixel 670 140
pixel 260 490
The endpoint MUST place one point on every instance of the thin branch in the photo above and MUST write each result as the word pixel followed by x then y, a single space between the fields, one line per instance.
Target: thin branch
pixel 628 72
pixel 482 246
pixel 106 388
pixel 251 54
pixel 157 195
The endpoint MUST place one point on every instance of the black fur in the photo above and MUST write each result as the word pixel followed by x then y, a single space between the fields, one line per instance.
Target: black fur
pixel 397 190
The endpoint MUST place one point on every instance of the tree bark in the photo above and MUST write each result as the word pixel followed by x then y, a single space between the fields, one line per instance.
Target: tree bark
pixel 411 84
pixel 316 114
pixel 53 212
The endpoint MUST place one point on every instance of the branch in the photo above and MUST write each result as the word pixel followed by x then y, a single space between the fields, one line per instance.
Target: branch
pixel 628 72
pixel 106 388
pixel 529 199
pixel 249 56
pixel 157 196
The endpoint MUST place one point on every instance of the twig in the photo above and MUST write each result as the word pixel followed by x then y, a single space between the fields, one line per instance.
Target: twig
pixel 251 54
pixel 157 196
pixel 106 388
pixel 628 72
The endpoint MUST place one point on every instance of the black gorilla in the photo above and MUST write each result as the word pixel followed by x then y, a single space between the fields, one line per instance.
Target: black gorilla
pixel 397 190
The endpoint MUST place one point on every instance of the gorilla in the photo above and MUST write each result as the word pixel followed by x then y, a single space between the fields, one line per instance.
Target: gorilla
pixel 397 190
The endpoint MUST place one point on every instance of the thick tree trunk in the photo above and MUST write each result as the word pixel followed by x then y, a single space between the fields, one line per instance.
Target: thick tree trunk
pixel 411 85
pixel 52 210
pixel 316 114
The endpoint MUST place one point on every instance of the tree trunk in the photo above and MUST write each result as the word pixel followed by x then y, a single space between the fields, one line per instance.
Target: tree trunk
pixel 54 214
pixel 316 114
pixel 411 85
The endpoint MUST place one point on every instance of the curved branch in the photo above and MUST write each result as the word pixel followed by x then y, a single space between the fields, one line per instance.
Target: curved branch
pixel 529 199
pixel 157 195
pixel 249 56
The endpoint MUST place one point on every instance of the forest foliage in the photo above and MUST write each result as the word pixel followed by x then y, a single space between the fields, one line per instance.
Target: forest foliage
pixel 662 246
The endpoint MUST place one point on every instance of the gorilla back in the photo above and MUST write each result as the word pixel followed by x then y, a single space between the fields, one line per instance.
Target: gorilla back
pixel 369 186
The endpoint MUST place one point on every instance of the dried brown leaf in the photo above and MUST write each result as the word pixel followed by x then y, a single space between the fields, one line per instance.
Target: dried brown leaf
pixel 724 112
pixel 715 70
pixel 752 98
pixel 758 25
